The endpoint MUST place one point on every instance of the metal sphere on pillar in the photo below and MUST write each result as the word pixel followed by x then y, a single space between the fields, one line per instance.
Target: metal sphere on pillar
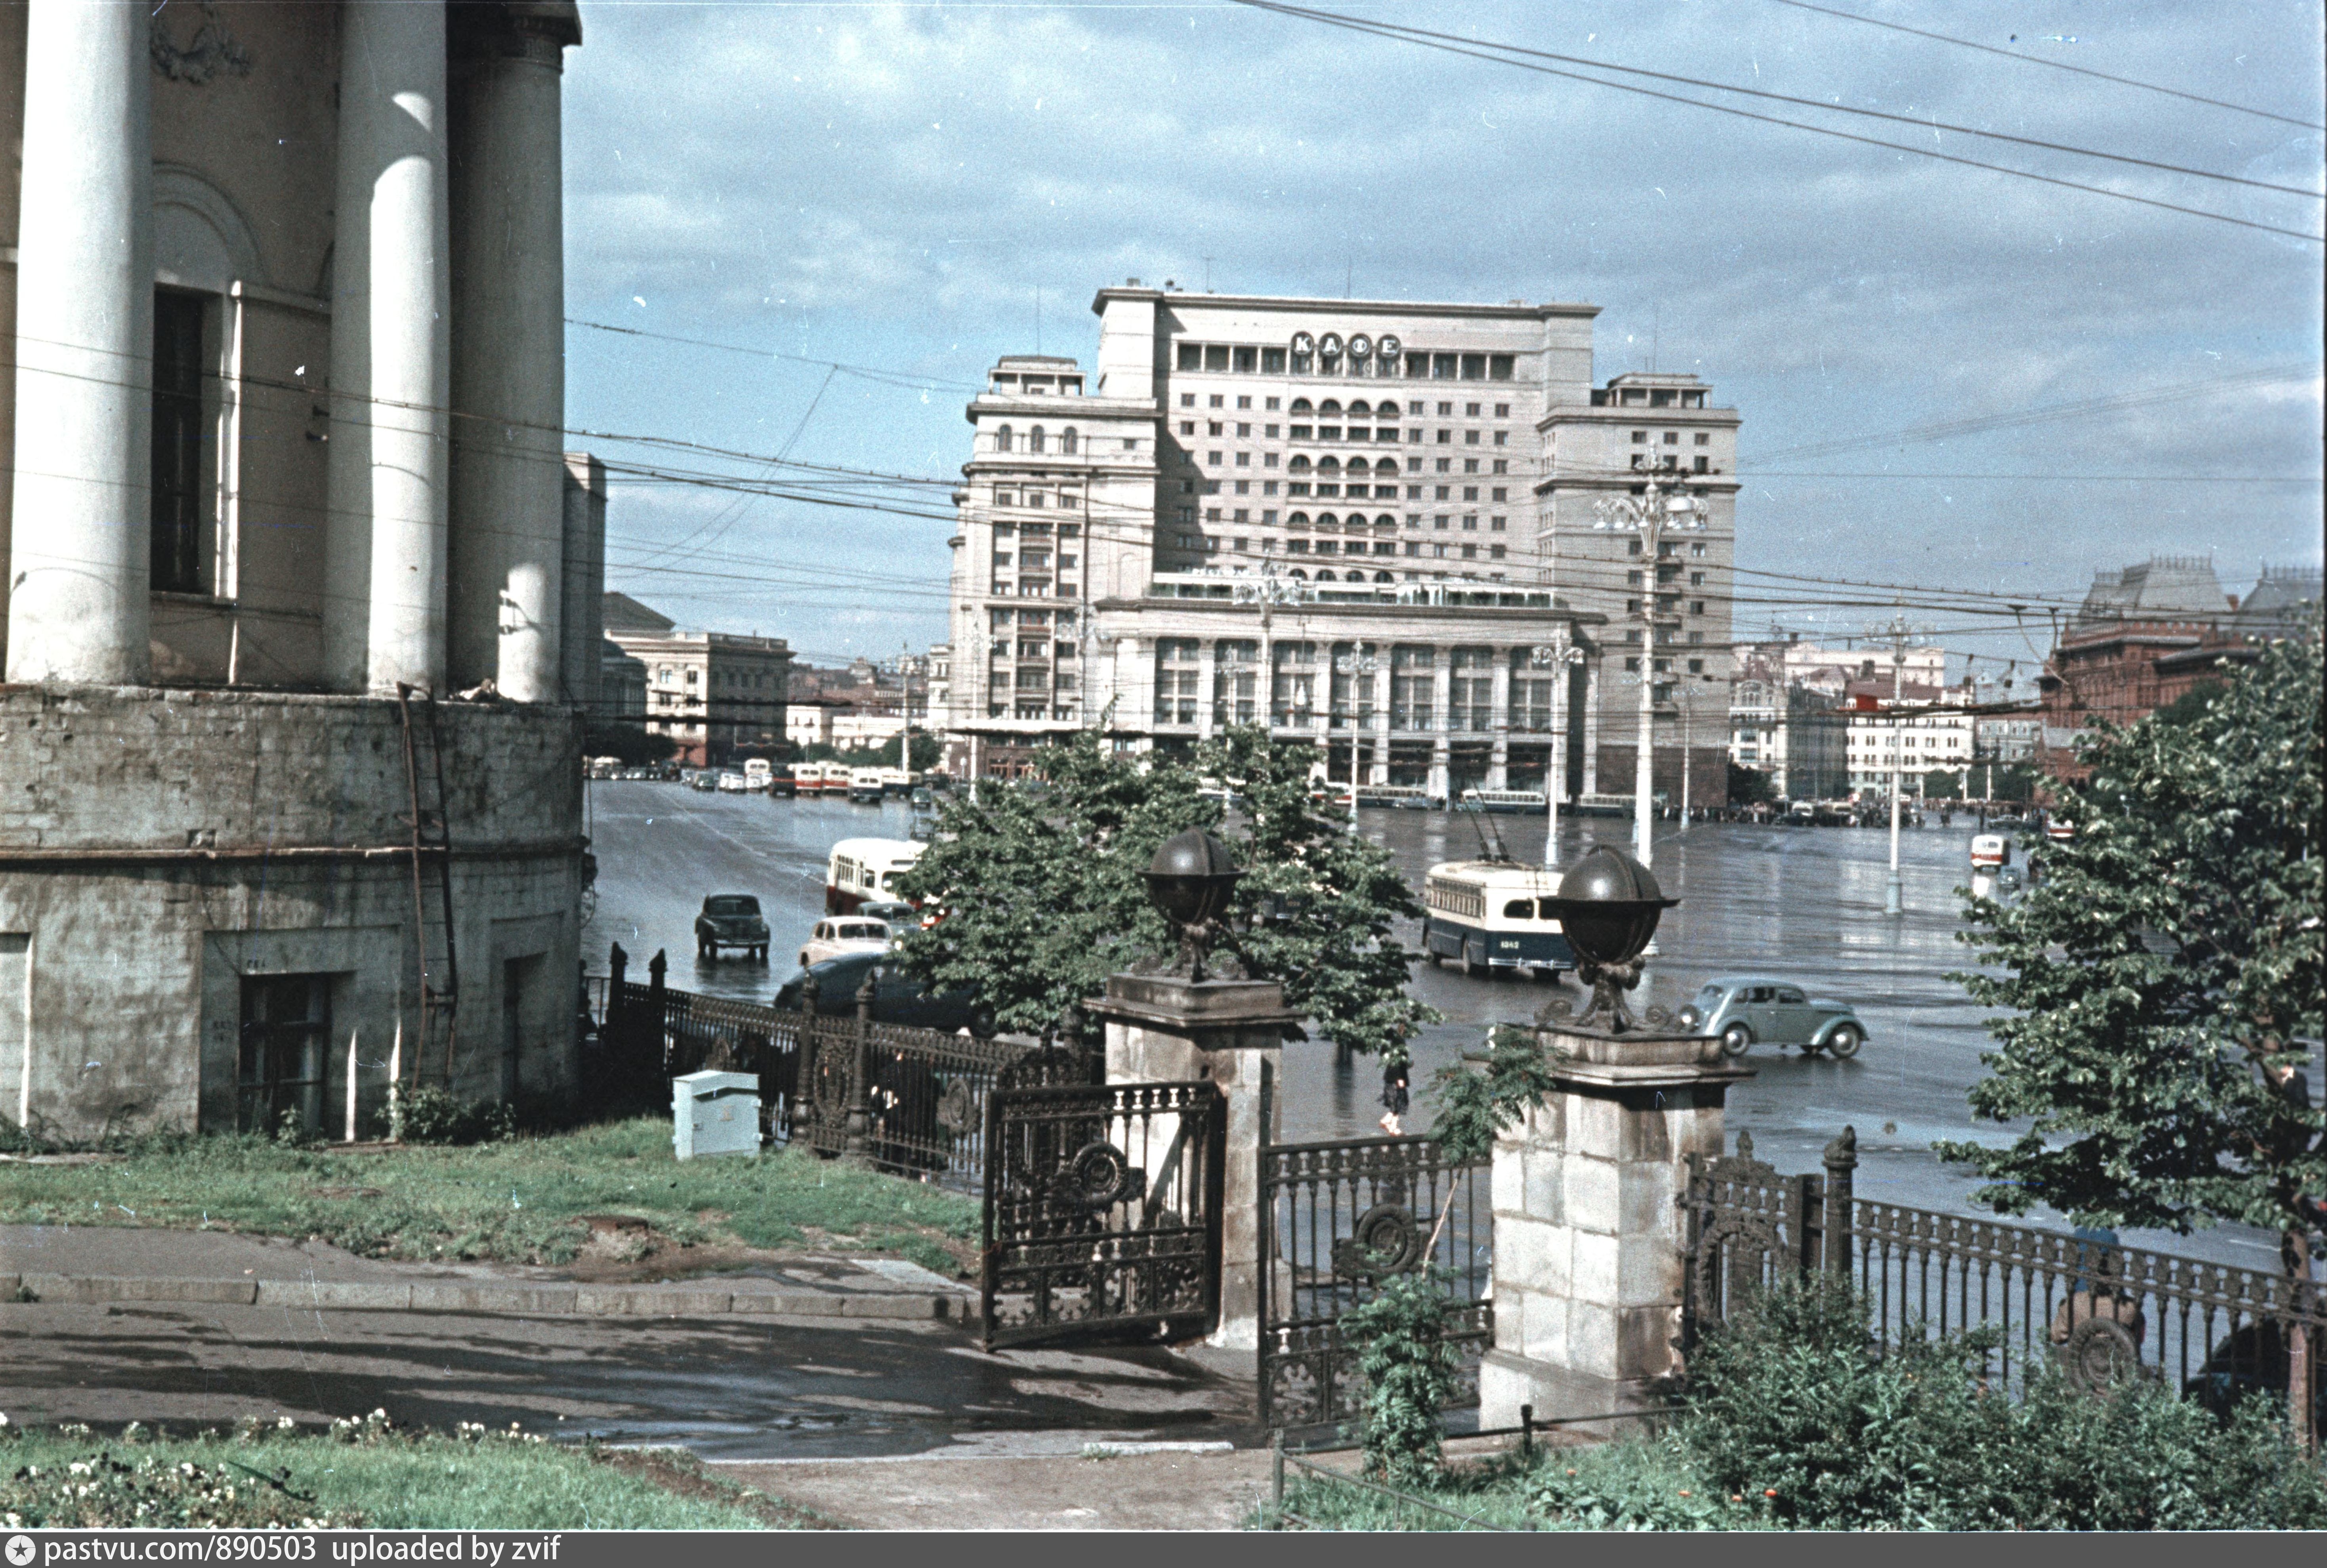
pixel 1608 907
pixel 1190 882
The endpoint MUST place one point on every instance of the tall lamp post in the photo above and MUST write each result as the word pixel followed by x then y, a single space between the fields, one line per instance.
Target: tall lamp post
pixel 1559 656
pixel 1356 664
pixel 1664 504
pixel 1897 631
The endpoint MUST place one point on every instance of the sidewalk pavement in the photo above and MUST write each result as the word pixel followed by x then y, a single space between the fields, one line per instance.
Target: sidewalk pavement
pixel 1128 1487
pixel 73 1264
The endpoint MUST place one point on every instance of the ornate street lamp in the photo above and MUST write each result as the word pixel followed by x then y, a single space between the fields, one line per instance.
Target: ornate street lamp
pixel 1558 656
pixel 1608 906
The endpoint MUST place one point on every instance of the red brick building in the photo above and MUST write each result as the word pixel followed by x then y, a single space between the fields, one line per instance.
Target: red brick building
pixel 2147 634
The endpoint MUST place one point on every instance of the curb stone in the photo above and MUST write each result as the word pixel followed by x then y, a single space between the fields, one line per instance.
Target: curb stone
pixel 524 1300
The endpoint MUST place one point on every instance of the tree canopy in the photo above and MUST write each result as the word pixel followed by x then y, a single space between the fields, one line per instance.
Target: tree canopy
pixel 1040 880
pixel 2161 984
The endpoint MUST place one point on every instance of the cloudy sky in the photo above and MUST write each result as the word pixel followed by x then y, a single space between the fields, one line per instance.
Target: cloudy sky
pixel 913 189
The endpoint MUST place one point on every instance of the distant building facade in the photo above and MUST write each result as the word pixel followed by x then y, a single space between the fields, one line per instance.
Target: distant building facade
pixel 1355 521
pixel 2149 633
pixel 711 692
pixel 1794 732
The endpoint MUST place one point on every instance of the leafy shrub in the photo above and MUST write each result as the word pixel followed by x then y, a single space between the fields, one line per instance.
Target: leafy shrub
pixel 1409 1372
pixel 430 1115
pixel 1653 1483
pixel 1795 1409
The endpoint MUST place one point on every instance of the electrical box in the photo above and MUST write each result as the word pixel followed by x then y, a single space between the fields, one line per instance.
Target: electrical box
pixel 714 1113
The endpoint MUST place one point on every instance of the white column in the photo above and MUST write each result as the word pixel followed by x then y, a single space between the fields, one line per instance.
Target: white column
pixel 77 599
pixel 503 602
pixel 581 623
pixel 1592 727
pixel 1207 669
pixel 1441 696
pixel 384 551
pixel 1499 763
pixel 1379 772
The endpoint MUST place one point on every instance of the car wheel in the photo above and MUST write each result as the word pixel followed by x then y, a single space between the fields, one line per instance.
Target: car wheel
pixel 1845 1041
pixel 761 953
pixel 1736 1040
pixel 702 949
pixel 1470 965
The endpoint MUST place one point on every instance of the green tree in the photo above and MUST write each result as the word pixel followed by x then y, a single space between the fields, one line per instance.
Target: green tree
pixel 1749 786
pixel 1040 883
pixel 2159 984
pixel 1942 784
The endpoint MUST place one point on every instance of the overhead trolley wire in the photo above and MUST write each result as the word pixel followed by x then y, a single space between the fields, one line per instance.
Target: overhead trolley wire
pixel 2055 65
pixel 1503 53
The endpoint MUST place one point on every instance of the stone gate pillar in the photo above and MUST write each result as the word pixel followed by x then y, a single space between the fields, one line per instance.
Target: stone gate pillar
pixel 1166 1028
pixel 1589 1225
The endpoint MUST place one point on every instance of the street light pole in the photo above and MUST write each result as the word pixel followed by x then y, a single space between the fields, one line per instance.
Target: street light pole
pixel 1356 664
pixel 1648 514
pixel 1558 656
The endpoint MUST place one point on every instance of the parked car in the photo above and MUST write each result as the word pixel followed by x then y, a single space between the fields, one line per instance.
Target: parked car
pixel 896 911
pixel 702 779
pixel 1745 1010
pixel 731 921
pixel 731 784
pixel 845 934
pixel 897 997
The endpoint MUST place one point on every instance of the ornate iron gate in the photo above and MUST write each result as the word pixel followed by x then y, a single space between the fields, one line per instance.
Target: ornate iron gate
pixel 1102 1212
pixel 1336 1219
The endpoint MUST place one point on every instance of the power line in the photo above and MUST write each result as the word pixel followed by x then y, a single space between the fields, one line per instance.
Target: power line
pixel 903 378
pixel 2054 65
pixel 1441 41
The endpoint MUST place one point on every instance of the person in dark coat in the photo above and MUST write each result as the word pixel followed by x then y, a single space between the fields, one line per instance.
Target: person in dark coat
pixel 1394 1099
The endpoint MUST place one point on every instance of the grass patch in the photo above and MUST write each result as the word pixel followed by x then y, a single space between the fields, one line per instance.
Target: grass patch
pixel 521 1200
pixel 1641 1484
pixel 364 1474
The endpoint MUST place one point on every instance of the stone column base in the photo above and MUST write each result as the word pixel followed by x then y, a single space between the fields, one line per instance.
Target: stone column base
pixel 1508 1380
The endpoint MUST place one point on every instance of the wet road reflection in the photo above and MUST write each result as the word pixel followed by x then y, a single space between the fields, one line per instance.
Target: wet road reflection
pixel 1803 904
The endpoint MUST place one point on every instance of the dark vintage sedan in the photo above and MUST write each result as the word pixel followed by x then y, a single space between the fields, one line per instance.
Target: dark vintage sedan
pixel 897 996
pixel 731 921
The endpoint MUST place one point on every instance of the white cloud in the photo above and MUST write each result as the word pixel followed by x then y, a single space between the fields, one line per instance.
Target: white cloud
pixel 893 186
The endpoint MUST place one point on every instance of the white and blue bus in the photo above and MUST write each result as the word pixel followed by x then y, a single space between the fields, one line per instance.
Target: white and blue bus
pixel 1493 915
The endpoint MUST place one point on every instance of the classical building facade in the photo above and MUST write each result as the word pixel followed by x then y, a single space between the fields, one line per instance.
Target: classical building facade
pixel 1364 522
pixel 710 692
pixel 284 420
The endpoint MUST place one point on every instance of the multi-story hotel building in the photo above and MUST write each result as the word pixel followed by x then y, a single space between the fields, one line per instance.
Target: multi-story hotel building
pixel 1364 521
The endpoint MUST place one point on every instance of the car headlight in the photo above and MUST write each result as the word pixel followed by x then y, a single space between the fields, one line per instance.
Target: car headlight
pixel 1689 1017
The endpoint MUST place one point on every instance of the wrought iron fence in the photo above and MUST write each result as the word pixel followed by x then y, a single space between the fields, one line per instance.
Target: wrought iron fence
pixel 1336 1219
pixel 2096 1308
pixel 907 1100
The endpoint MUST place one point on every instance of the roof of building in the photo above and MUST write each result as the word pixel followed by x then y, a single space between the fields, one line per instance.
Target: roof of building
pixel 2171 588
pixel 2270 610
pixel 624 613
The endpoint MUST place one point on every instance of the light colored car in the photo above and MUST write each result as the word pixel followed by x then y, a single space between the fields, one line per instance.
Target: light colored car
pixel 844 934
pixel 733 784
pixel 1745 1010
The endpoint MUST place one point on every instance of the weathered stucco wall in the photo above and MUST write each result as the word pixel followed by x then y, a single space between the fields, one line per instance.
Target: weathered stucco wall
pixel 157 847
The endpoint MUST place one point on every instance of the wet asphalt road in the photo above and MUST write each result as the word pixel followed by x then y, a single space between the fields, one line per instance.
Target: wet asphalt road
pixel 1803 904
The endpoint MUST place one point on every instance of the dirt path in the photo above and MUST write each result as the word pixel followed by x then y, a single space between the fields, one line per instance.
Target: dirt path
pixel 1131 1491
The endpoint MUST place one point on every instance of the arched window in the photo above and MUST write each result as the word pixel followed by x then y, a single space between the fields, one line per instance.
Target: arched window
pixel 1385 521
pixel 1297 520
pixel 1324 576
pixel 1002 439
pixel 1359 407
pixel 1384 577
pixel 1331 406
pixel 1328 520
pixel 1301 405
pixel 1358 464
pixel 1329 465
pixel 1297 572
pixel 1300 464
pixel 1067 442
pixel 1034 439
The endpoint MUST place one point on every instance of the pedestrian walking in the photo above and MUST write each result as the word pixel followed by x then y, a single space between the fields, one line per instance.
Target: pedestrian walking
pixel 1394 1099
